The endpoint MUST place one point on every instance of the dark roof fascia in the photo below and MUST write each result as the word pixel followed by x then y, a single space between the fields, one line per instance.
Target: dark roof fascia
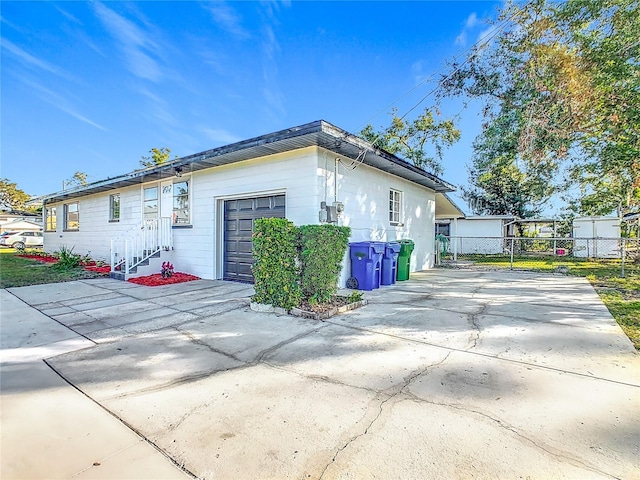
pixel 396 165
pixel 319 133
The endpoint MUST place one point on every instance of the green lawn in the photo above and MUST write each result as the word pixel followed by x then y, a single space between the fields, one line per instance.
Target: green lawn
pixel 620 294
pixel 19 272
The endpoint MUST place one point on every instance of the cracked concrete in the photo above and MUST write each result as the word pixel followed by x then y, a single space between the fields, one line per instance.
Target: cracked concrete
pixel 452 374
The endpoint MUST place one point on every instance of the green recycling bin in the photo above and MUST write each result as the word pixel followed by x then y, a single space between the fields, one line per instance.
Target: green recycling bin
pixel 404 258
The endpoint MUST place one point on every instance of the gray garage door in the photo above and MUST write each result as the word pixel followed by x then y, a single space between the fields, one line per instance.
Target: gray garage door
pixel 238 226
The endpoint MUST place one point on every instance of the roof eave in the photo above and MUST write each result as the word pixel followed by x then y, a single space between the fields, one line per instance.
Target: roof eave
pixel 319 133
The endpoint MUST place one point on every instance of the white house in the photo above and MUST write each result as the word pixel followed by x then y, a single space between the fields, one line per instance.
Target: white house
pixel 13 221
pixel 198 211
pixel 21 225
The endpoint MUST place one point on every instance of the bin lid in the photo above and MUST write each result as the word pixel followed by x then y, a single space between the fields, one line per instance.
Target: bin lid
pixel 378 247
pixel 393 247
pixel 406 246
pixel 360 244
pixel 375 247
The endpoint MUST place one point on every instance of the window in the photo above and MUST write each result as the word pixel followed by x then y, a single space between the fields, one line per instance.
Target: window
pixel 181 203
pixel 443 229
pixel 50 219
pixel 395 203
pixel 150 208
pixel 114 207
pixel 71 217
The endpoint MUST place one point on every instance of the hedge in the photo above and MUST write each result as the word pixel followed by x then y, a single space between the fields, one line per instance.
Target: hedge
pixel 322 249
pixel 293 263
pixel 276 272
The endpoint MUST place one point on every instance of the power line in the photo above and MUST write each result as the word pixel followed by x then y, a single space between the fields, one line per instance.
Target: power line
pixel 480 42
pixel 433 74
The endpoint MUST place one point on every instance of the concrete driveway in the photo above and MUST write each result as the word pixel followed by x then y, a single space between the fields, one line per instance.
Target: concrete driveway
pixel 452 374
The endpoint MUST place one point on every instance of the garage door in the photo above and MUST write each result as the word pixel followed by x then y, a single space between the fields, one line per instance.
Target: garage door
pixel 238 226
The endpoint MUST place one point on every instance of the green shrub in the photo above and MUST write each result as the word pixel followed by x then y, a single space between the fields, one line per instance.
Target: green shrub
pixel 322 250
pixel 67 260
pixel 276 272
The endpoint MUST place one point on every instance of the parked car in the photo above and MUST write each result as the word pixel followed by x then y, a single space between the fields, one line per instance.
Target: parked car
pixel 21 239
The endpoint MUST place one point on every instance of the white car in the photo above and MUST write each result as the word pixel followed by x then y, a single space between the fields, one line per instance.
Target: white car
pixel 21 239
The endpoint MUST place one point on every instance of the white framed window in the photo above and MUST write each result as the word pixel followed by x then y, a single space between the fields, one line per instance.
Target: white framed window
pixel 395 206
pixel 50 224
pixel 71 217
pixel 114 207
pixel 150 207
pixel 181 210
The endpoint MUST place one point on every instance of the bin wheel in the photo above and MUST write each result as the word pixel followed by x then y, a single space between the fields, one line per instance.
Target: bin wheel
pixel 352 283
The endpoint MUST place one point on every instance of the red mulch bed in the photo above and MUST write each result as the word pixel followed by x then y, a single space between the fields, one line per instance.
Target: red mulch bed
pixel 156 280
pixel 90 266
pixel 40 258
pixel 94 267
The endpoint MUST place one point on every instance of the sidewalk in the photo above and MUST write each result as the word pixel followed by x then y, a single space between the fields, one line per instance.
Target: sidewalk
pixel 50 429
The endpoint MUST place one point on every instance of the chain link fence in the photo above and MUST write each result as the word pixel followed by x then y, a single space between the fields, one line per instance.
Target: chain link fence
pixel 539 252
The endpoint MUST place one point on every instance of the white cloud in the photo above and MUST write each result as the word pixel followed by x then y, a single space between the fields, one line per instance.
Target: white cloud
pixel 31 61
pixel 59 102
pixel 227 18
pixel 220 135
pixel 472 20
pixel 160 111
pixel 417 70
pixel 470 23
pixel 67 15
pixel 461 39
pixel 140 50
pixel 485 35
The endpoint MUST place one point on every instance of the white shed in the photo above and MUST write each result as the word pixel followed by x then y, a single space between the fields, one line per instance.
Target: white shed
pixel 596 237
pixel 481 234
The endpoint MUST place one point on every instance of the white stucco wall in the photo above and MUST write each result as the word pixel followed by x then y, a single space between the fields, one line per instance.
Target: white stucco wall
pixel 95 233
pixel 365 194
pixel 305 176
pixel 197 248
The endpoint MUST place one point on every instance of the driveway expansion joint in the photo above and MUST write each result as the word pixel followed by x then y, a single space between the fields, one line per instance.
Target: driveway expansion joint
pixel 124 422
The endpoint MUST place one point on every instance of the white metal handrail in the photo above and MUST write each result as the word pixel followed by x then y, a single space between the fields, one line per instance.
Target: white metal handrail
pixel 141 243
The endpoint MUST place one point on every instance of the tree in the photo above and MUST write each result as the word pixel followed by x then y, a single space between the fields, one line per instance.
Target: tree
pixel 500 183
pixel 159 156
pixel 420 142
pixel 76 180
pixel 11 197
pixel 569 73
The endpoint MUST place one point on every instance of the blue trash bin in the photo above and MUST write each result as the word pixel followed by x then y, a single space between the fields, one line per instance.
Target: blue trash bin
pixel 366 264
pixel 389 263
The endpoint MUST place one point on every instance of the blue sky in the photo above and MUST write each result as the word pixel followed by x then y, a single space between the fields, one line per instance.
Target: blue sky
pixel 92 86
